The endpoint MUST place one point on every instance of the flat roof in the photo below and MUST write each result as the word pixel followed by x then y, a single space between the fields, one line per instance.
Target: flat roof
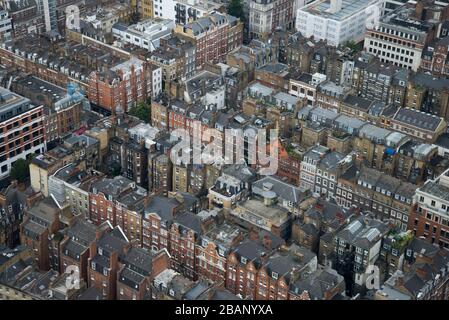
pixel 348 8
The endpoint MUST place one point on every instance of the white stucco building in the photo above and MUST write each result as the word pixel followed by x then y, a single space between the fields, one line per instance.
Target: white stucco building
pixel 338 21
pixel 145 34
pixel 181 11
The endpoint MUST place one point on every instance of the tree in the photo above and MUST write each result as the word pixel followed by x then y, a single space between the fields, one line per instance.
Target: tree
pixel 353 45
pixel 20 170
pixel 235 9
pixel 141 111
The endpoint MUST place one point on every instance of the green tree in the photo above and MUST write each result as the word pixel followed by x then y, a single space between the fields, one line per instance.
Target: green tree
pixel 20 170
pixel 353 45
pixel 235 9
pixel 141 111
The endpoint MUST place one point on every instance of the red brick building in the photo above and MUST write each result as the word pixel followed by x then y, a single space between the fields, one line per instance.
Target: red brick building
pixel 177 115
pixel 136 273
pixel 183 236
pixel 159 214
pixel 213 249
pixel 214 36
pixel 120 87
pixel 103 194
pixel 435 57
pixel 281 269
pixel 289 166
pixel 74 248
pixel 104 256
pixel 243 265
pixel 40 223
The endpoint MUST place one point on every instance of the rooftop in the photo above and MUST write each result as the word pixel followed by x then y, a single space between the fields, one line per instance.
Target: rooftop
pixel 418 119
pixel 348 8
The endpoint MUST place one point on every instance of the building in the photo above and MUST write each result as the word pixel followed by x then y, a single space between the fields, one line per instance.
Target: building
pixel 321 220
pixel 25 17
pixel 323 284
pixel 5 25
pixel 213 249
pixel 104 195
pixel 13 202
pixel 428 93
pixel 131 156
pixel 435 57
pixel 62 108
pixel 309 165
pixel 429 217
pixel 357 248
pixel 287 196
pixel 338 21
pixel 266 16
pixel 22 128
pixel 176 59
pixel 243 264
pixel 40 223
pixel 232 186
pixel 263 215
pixel 419 125
pixel 135 276
pixel 103 19
pixel 304 86
pixel 105 255
pixel 146 34
pixel 423 277
pixel 214 36
pixel 147 9
pixel 184 11
pixel 281 269
pixel 274 75
pixel 69 184
pixel 79 237
pixel 380 81
pixel 159 215
pixel 121 87
pixel 401 36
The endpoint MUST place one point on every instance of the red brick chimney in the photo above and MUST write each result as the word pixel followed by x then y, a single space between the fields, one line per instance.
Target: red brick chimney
pixel 253 234
pixel 267 242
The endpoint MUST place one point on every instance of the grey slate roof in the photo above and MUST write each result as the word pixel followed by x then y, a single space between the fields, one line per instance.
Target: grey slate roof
pixel 163 206
pixel 318 283
pixel 251 250
pixel 189 220
pixel 282 189
pixel 417 119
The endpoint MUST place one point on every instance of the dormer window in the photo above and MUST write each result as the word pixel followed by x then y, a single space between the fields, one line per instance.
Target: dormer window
pixel 274 275
pixel 243 260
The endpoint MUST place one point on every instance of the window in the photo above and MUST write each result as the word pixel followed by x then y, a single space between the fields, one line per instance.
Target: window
pixel 274 275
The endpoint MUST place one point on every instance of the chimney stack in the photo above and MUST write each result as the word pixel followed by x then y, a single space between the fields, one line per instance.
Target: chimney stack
pixel 267 242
